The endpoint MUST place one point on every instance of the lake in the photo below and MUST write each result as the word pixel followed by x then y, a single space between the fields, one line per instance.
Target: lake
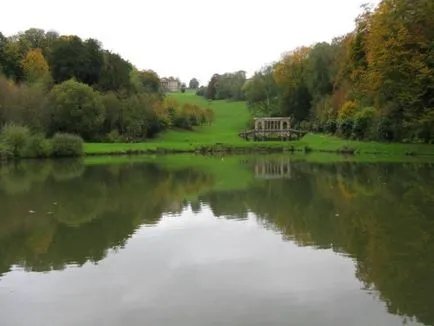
pixel 236 240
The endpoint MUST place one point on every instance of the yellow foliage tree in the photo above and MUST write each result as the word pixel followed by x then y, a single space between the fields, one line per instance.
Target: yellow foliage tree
pixel 35 66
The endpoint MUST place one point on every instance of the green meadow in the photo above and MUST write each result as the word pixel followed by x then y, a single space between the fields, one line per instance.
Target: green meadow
pixel 222 134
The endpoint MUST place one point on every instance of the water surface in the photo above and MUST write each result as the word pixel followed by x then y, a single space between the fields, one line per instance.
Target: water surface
pixel 216 241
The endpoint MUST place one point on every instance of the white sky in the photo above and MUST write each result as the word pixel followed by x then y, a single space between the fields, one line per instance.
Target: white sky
pixel 189 38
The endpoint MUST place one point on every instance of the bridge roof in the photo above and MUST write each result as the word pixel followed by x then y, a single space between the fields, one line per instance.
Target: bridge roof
pixel 273 118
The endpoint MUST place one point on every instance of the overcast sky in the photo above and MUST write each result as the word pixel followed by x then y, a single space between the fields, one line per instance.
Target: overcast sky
pixel 189 38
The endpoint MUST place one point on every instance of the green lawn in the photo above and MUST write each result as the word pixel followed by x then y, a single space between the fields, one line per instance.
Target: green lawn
pixel 233 117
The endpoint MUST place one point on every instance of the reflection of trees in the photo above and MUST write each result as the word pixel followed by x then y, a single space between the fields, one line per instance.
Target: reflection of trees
pixel 78 214
pixel 382 215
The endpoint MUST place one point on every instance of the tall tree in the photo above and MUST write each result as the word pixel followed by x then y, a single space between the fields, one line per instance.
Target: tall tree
pixel 14 51
pixel 115 73
pixel 261 93
pixel 193 84
pixel 400 75
pixel 211 89
pixel 290 76
pixel 71 57
pixel 34 66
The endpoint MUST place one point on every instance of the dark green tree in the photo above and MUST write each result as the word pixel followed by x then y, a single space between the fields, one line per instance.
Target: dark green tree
pixel 76 108
pixel 193 84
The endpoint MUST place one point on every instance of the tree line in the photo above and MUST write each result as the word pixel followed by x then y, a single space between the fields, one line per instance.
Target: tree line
pixel 374 83
pixel 51 83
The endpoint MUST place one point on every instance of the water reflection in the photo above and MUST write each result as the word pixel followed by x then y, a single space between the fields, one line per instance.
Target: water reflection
pixel 381 215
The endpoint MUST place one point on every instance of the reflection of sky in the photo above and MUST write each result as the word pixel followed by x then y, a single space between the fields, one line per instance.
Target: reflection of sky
pixel 197 270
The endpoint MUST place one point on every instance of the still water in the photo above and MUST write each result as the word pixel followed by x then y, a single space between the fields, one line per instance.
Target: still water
pixel 216 241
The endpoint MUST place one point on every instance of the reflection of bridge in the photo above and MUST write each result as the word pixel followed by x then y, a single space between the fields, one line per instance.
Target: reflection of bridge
pixel 273 169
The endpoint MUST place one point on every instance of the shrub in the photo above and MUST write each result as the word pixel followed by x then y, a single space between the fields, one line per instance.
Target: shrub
pixel 113 136
pixel 14 138
pixel 305 125
pixel 37 146
pixel 384 129
pixel 346 127
pixel 76 108
pixel 67 145
pixel 331 126
pixel 363 121
pixel 5 153
pixel 348 110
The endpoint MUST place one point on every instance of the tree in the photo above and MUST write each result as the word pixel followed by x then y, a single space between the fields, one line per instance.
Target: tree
pixel 261 93
pixel 92 63
pixel 34 66
pixel 150 81
pixel 3 41
pixel 400 74
pixel 14 51
pixel 211 89
pixel 194 84
pixel 290 76
pixel 115 73
pixel 35 37
pixel 72 58
pixel 183 87
pixel 76 108
pixel 229 86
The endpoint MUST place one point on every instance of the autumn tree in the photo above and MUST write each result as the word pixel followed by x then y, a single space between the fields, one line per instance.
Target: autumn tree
pixel 34 66
pixel 401 62
pixel 150 81
pixel 290 76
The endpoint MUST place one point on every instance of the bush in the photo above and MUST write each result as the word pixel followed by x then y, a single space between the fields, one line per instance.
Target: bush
pixel 305 125
pixel 384 129
pixel 346 127
pixel 5 153
pixel 76 108
pixel 37 146
pixel 14 138
pixel 67 145
pixel 348 110
pixel 113 137
pixel 331 126
pixel 363 121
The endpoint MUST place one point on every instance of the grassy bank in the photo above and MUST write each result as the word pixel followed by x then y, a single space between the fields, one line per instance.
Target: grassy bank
pixel 222 136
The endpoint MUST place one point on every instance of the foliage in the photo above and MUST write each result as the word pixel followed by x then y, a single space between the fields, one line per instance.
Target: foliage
pixel 346 126
pixel 363 121
pixel 201 91
pixel 14 137
pixel 37 146
pixel 261 93
pixel 34 66
pixel 73 58
pixel 386 62
pixel 75 108
pixel 67 145
pixel 331 126
pixel 229 86
pixel 193 84
pixel 211 89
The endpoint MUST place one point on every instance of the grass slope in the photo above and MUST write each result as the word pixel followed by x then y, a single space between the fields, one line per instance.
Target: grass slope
pixel 230 119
